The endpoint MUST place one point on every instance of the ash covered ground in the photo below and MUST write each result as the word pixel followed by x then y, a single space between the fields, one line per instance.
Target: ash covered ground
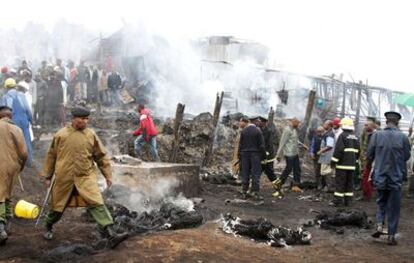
pixel 162 239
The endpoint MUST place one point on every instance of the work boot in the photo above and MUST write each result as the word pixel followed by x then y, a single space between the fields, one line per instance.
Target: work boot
pixel 256 197
pixel 244 194
pixel 379 231
pixel 278 194
pixel 391 240
pixel 48 235
pixel 114 239
pixel 3 234
pixel 296 189
pixel 277 184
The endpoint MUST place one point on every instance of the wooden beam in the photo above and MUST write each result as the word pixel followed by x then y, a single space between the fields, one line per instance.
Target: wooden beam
pixel 358 108
pixel 308 115
pixel 216 115
pixel 179 114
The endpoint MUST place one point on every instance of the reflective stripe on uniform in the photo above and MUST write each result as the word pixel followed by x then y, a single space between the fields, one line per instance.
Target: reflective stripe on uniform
pixel 335 159
pixel 339 194
pixel 349 194
pixel 351 150
pixel 345 167
pixel 268 161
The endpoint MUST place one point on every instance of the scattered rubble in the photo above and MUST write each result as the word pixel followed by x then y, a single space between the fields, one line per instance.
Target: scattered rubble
pixel 262 230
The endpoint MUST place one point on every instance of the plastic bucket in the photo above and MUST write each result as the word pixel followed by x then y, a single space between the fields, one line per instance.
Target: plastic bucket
pixel 26 210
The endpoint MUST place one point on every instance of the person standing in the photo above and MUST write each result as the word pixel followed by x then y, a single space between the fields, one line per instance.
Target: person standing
pixel 336 127
pixel 22 114
pixel 315 147
pixel 83 78
pixel 251 152
pixel 235 164
pixel 40 107
pixel 345 158
pixel 325 155
pixel 267 163
pixel 114 83
pixel 288 147
pixel 146 132
pixel 71 160
pixel 103 87
pixel 13 156
pixel 390 149
pixel 369 128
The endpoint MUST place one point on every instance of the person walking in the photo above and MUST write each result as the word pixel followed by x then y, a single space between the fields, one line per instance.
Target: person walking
pixel 71 160
pixel 390 149
pixel 13 156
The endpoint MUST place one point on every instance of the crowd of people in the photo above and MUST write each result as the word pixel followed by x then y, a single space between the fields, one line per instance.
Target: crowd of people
pixel 40 97
pixel 342 162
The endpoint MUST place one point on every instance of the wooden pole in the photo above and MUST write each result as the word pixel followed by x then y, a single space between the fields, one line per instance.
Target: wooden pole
pixel 271 118
pixel 358 108
pixel 179 114
pixel 343 101
pixel 308 115
pixel 216 115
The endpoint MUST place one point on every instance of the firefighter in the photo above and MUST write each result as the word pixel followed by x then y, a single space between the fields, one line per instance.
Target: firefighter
pixel 345 160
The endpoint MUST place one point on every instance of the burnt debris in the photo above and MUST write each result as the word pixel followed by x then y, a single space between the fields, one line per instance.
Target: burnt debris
pixel 262 230
pixel 332 220
pixel 168 217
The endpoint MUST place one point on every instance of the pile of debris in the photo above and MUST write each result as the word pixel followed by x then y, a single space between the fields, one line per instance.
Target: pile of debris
pixel 115 129
pixel 262 230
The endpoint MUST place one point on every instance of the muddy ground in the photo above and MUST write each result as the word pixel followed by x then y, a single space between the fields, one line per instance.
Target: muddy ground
pixel 209 244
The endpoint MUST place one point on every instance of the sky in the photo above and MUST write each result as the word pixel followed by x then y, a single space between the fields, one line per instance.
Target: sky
pixel 364 40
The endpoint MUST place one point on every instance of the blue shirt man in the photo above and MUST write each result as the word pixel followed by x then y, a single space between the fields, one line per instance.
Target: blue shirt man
pixel 390 149
pixel 22 114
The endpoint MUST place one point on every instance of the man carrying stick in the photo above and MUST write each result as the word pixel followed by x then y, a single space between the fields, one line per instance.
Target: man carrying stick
pixel 13 156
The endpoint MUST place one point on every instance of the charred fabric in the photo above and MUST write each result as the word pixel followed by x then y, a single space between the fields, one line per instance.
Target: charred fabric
pixel 333 220
pixel 262 230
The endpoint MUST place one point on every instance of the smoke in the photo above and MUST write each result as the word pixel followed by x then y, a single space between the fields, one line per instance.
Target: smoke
pixel 176 69
pixel 150 195
pixel 35 43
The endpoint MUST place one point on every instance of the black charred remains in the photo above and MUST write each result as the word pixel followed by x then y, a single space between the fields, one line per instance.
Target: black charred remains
pixel 219 177
pixel 262 230
pixel 168 217
pixel 331 220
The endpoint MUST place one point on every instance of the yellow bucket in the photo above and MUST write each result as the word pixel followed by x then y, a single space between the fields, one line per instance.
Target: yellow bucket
pixel 26 210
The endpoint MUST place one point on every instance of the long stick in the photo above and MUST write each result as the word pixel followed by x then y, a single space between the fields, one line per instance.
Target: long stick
pixel 20 182
pixel 49 190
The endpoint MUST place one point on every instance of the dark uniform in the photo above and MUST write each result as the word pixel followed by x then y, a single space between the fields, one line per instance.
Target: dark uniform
pixel 267 163
pixel 345 159
pixel 390 149
pixel 251 151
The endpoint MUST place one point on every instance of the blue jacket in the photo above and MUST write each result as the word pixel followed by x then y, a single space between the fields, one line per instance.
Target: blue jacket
pixel 390 149
pixel 22 116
